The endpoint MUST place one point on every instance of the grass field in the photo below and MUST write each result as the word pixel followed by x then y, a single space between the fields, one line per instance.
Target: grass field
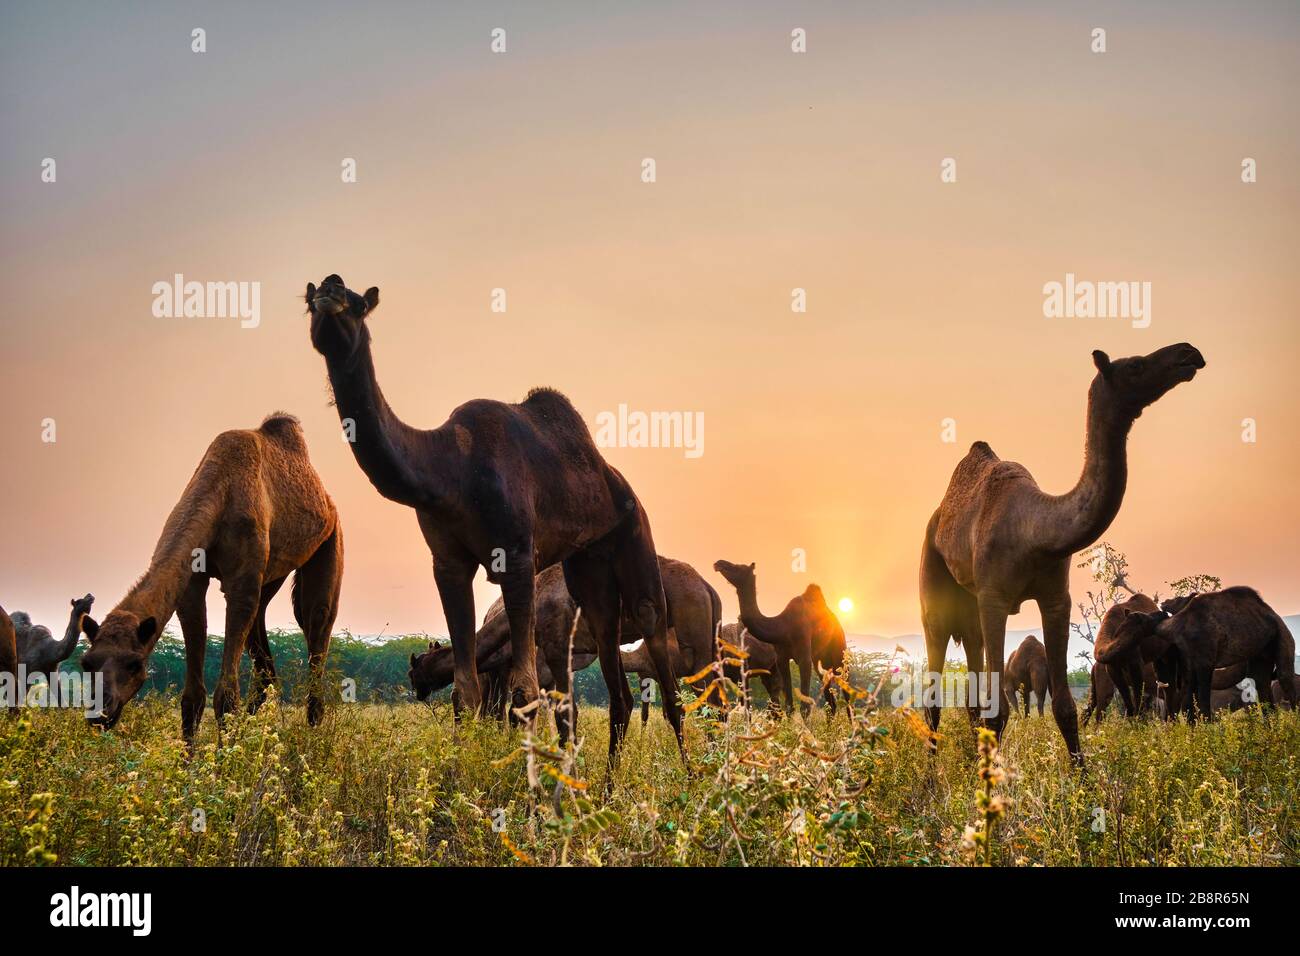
pixel 402 784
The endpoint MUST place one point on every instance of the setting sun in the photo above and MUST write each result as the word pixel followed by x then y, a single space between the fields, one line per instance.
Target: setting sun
pixel 846 605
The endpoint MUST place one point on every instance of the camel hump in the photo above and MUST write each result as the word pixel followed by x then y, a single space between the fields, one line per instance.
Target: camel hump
pixel 813 593
pixel 278 424
pixel 982 449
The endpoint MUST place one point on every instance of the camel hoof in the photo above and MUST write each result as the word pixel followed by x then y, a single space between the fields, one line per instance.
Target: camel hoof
pixel 315 712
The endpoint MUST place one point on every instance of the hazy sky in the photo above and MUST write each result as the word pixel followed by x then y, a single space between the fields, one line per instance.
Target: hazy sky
pixel 775 171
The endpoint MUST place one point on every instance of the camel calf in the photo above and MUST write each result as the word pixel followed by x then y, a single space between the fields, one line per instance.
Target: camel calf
pixel 254 512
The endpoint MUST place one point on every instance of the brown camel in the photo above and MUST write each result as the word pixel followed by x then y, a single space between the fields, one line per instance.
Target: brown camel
pixel 693 612
pixel 1125 662
pixel 1233 629
pixel 806 631
pixel 8 662
pixel 1102 691
pixel 38 649
pixel 997 540
pixel 1026 671
pixel 761 663
pixel 253 512
pixel 513 489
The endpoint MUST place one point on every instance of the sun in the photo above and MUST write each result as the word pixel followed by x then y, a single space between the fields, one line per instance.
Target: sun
pixel 846 605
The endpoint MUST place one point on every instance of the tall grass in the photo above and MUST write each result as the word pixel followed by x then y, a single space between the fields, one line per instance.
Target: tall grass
pixel 382 784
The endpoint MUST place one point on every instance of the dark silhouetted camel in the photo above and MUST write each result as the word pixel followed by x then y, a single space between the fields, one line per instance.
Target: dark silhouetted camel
pixel 806 631
pixel 513 489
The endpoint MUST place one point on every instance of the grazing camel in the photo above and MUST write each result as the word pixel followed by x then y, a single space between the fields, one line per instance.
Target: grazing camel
pixel 513 489
pixel 1125 663
pixel 1229 629
pixel 254 511
pixel 760 663
pixel 1102 691
pixel 693 612
pixel 1026 671
pixel 38 649
pixel 806 631
pixel 8 661
pixel 998 540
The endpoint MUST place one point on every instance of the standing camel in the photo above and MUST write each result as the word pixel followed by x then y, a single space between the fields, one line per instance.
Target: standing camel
pixel 1125 662
pixel 513 489
pixel 998 540
pixel 38 649
pixel 1026 671
pixel 254 511
pixel 806 631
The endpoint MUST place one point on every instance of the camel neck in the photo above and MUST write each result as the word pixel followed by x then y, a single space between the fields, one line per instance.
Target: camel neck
pixel 762 627
pixel 68 644
pixel 1083 514
pixel 385 447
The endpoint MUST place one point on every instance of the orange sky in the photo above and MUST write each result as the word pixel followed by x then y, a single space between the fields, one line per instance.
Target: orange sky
pixel 775 171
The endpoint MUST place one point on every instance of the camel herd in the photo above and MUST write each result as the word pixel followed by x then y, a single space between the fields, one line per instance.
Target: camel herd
pixel 521 491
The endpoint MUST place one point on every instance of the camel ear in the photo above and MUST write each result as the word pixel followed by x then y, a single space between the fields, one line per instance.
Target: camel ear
pixel 414 659
pixel 372 298
pixel 147 629
pixel 1102 361
pixel 751 565
pixel 90 627
pixel 311 292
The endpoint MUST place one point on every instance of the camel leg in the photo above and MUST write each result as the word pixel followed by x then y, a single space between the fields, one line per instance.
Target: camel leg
pixel 805 686
pixel 591 583
pixel 315 605
pixel 259 649
pixel 974 667
pixel 243 595
pixel 193 613
pixel 1136 682
pixel 1056 638
pixel 993 626
pixel 455 583
pixel 787 685
pixel 936 648
pixel 1042 700
pixel 517 587
pixel 566 718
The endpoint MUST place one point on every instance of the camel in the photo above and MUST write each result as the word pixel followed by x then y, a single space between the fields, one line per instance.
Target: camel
pixel 1125 663
pixel 760 663
pixel 38 649
pixel 997 540
pixel 254 511
pixel 694 609
pixel 806 631
pixel 1233 629
pixel 1026 671
pixel 1102 691
pixel 8 659
pixel 513 489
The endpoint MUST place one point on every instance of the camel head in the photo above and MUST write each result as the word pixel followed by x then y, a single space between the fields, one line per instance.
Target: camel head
pixel 119 652
pixel 82 605
pixel 1134 383
pixel 431 671
pixel 338 317
pixel 737 575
